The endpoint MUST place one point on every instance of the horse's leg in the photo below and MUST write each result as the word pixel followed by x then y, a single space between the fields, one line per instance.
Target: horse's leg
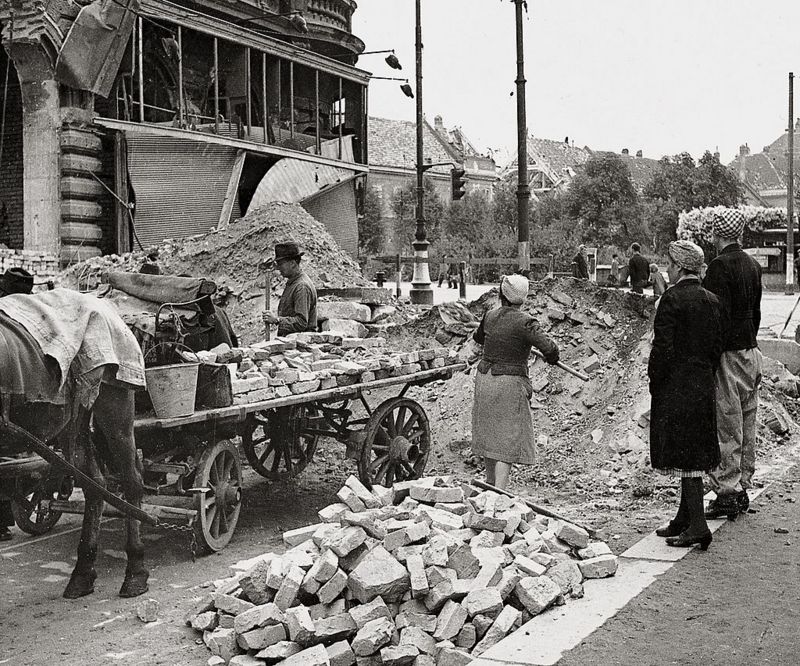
pixel 113 414
pixel 81 582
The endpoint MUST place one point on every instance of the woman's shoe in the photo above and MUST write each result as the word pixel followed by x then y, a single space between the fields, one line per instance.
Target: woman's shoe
pixel 684 540
pixel 671 529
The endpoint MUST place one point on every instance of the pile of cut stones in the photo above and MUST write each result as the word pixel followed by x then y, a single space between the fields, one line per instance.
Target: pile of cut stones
pixel 307 362
pixel 426 572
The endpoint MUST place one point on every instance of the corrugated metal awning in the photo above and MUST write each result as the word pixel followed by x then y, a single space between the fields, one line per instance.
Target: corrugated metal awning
pixel 180 185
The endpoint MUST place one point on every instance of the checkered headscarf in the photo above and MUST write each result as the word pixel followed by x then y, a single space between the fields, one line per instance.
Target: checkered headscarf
pixel 729 223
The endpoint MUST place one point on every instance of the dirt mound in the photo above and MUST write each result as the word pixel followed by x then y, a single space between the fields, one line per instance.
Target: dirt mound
pixel 231 256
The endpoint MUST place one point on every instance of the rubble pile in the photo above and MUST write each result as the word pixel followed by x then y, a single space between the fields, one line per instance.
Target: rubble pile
pixel 426 572
pixel 231 255
pixel 306 362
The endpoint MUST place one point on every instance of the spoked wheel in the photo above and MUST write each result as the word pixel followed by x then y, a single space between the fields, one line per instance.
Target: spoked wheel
pixel 275 441
pixel 220 473
pixel 28 492
pixel 397 441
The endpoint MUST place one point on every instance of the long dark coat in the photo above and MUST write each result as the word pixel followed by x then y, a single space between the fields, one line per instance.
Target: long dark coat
pixel 686 352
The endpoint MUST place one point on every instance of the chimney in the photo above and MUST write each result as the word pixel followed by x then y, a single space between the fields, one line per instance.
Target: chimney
pixel 566 140
pixel 638 153
pixel 625 151
pixel 438 124
pixel 744 150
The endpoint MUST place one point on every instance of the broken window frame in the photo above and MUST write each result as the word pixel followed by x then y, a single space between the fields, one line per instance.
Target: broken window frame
pixel 269 54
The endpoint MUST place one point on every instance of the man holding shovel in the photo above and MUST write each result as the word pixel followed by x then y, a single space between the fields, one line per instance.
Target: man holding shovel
pixel 297 309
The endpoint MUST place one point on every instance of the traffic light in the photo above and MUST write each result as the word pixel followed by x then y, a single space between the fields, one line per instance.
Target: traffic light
pixel 458 181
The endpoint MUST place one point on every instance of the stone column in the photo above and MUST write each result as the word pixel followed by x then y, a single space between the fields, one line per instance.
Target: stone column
pixel 41 122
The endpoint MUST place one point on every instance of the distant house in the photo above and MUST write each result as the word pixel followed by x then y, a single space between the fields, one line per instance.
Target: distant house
pixel 551 165
pixel 641 168
pixel 392 164
pixel 764 174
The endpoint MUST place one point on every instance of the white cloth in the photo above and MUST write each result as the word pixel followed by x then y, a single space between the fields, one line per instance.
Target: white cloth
pixel 81 332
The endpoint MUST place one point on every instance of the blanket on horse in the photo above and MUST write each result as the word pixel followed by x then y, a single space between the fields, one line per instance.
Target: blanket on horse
pixel 83 335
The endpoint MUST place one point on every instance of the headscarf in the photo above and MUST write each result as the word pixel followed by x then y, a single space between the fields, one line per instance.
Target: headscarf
pixel 514 288
pixel 729 223
pixel 686 255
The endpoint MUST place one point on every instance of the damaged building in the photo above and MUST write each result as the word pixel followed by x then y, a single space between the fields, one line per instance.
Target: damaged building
pixel 126 122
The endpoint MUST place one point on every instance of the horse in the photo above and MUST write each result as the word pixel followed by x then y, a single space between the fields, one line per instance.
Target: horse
pixel 103 432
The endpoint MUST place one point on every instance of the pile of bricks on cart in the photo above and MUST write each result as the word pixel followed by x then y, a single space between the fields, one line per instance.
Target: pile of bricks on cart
pixel 426 572
pixel 305 362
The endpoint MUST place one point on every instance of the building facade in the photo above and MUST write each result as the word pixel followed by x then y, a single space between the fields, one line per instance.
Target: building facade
pixel 131 121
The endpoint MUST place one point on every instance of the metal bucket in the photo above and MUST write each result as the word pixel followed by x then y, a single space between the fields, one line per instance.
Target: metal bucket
pixel 172 389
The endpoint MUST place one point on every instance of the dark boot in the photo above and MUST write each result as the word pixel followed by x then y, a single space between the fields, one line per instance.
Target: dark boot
pixel 679 523
pixel 697 532
pixel 743 500
pixel 723 506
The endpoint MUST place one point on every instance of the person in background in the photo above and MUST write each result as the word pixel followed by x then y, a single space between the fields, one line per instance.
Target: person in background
pixel 735 277
pixel 581 262
pixel 502 428
pixel 613 275
pixel 638 269
pixel 297 309
pixel 657 280
pixel 687 344
pixel 444 268
pixel 13 281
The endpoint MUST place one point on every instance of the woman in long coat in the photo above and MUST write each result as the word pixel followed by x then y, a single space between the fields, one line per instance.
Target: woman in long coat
pixel 502 428
pixel 687 345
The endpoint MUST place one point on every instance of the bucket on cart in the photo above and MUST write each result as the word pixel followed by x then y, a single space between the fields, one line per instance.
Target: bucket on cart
pixel 172 389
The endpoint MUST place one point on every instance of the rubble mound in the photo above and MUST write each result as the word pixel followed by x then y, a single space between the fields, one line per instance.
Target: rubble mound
pixel 230 256
pixel 427 572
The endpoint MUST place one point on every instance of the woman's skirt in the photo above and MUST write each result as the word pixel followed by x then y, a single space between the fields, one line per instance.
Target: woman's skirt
pixel 502 428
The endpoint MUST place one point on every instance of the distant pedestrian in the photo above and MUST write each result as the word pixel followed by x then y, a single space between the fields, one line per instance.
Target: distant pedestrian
pixel 638 269
pixel 657 280
pixel 613 275
pixel 581 262
pixel 735 277
pixel 444 268
pixel 502 428
pixel 687 344
pixel 452 276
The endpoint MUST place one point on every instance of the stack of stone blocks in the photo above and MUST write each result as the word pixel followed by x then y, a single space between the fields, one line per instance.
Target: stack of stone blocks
pixel 428 572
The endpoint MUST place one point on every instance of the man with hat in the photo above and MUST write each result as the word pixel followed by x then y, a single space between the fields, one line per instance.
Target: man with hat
pixel 735 277
pixel 297 309
pixel 13 281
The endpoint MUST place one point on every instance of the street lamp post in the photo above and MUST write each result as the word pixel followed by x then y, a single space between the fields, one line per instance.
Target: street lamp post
pixel 523 188
pixel 790 195
pixel 421 290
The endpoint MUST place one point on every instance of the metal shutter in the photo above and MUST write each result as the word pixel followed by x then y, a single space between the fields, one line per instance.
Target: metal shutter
pixel 179 184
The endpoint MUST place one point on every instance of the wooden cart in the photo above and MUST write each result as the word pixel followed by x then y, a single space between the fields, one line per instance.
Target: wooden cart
pixel 193 470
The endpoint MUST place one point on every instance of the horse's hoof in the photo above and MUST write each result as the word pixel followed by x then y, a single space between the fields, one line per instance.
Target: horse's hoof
pixel 133 586
pixel 80 585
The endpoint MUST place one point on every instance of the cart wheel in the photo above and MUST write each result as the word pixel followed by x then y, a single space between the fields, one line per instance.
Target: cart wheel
pixel 276 445
pixel 397 441
pixel 220 471
pixel 25 503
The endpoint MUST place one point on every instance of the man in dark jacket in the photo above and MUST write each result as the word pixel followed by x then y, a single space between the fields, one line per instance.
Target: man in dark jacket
pixel 638 269
pixel 735 277
pixel 581 262
pixel 297 309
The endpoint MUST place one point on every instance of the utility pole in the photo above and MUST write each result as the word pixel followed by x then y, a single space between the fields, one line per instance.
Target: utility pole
pixel 421 290
pixel 790 196
pixel 523 189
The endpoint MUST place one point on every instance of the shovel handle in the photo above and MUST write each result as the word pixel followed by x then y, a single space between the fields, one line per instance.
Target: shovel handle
pixel 565 367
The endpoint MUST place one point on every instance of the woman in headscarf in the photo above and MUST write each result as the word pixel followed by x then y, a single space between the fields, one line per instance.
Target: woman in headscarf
pixel 502 428
pixel 686 350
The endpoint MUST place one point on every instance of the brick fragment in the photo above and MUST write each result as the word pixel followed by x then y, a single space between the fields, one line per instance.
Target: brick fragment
pixel 485 601
pixel 599 567
pixel 451 618
pixel 340 654
pixel 421 640
pixel 378 574
pixel 575 536
pixel 537 594
pixel 258 639
pixel 501 627
pixel 333 588
pixel 373 610
pixel 373 636
pixel 287 594
pixel 417 575
pixel 398 655
pixel 334 628
pixel 278 652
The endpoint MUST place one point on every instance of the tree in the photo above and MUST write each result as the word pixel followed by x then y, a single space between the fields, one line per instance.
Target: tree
pixel 679 184
pixel 603 198
pixel 370 227
pixel 404 205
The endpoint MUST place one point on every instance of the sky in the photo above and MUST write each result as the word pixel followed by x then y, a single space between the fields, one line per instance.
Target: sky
pixel 661 77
